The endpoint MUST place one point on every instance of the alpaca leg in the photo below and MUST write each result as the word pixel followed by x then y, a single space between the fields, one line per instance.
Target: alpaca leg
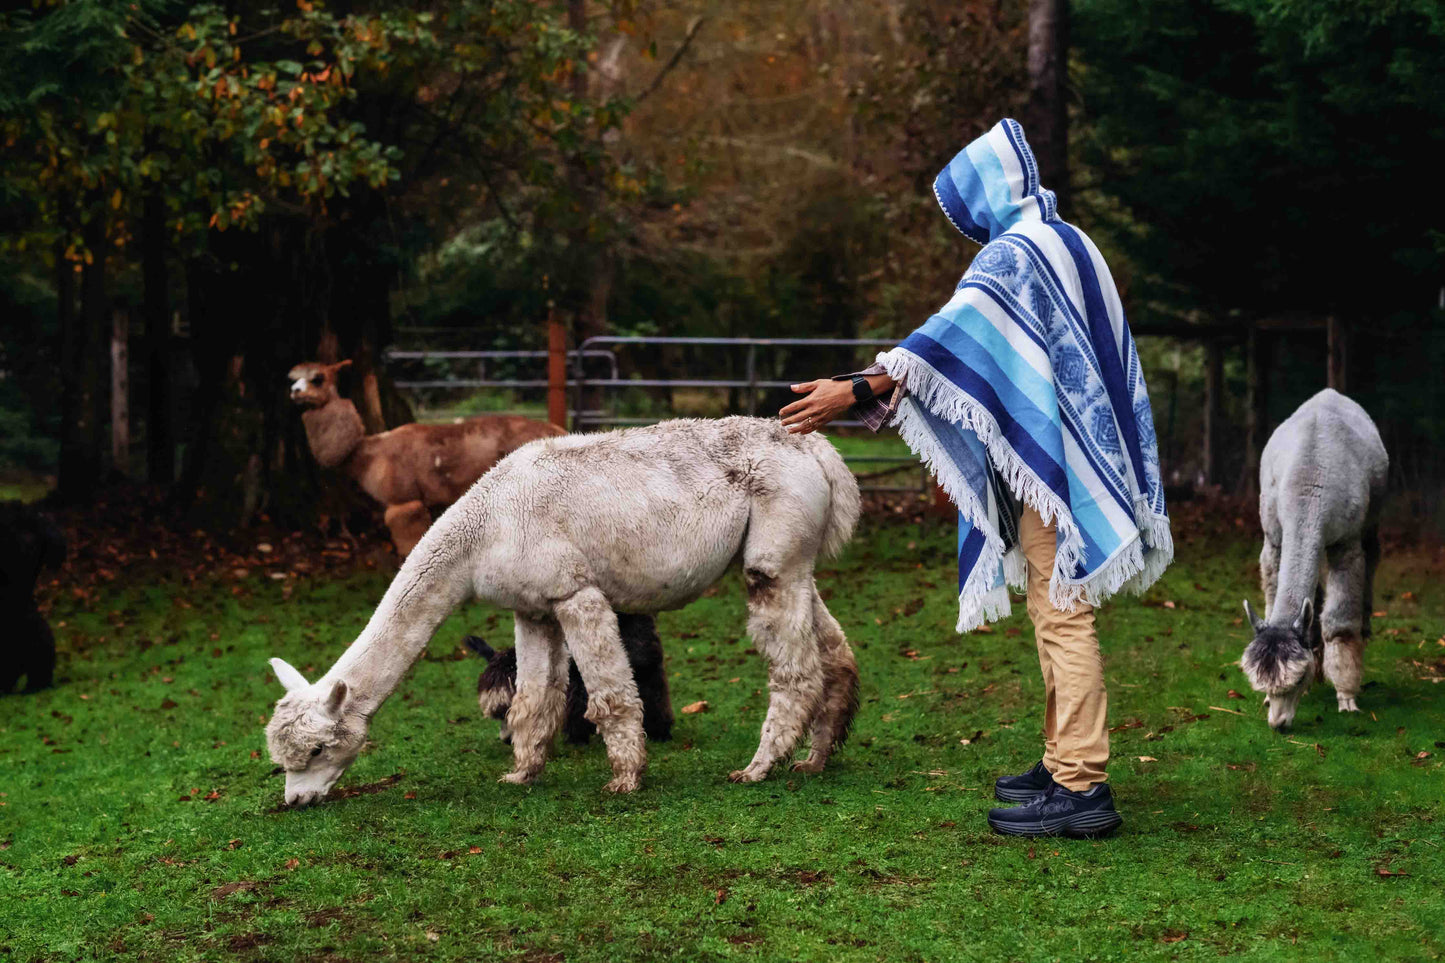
pixel 537 707
pixel 840 689
pixel 780 620
pixel 590 626
pixel 1371 544
pixel 1269 573
pixel 1340 622
pixel 644 651
pixel 407 522
pixel 40 671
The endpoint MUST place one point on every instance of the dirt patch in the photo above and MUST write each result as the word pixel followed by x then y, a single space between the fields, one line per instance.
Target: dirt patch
pixel 367 789
pixel 325 917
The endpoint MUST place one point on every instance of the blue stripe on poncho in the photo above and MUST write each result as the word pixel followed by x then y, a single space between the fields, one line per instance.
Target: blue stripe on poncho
pixel 1025 388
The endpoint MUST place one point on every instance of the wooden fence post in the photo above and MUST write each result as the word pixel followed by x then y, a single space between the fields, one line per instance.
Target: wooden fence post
pixel 1337 336
pixel 120 392
pixel 556 371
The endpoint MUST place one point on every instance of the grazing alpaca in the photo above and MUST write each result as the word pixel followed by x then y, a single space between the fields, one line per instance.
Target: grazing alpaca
pixel 29 542
pixel 409 469
pixel 567 530
pixel 497 684
pixel 1322 479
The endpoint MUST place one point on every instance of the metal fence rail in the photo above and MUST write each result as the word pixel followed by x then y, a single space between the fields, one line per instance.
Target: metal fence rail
pixel 580 387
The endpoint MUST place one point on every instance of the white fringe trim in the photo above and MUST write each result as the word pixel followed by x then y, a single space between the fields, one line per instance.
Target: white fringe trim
pixel 1129 569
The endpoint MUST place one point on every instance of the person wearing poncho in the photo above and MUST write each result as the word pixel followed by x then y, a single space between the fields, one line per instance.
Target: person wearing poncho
pixel 1024 396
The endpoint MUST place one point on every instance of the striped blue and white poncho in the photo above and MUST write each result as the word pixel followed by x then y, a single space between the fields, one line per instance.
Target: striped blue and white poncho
pixel 1026 388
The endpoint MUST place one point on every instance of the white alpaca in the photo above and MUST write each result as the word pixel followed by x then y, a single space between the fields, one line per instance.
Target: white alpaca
pixel 565 531
pixel 1321 483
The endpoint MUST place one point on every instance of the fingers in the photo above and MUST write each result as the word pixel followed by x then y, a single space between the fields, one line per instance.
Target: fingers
pixel 795 407
pixel 804 387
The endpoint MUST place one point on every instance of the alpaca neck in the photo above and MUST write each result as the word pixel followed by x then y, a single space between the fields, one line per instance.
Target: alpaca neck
pixel 333 431
pixel 1299 572
pixel 433 580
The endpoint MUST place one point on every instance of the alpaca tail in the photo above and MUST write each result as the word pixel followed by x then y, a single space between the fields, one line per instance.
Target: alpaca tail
pixel 845 506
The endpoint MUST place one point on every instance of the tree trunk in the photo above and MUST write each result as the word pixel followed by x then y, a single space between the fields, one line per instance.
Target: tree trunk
pixel 73 469
pixel 1256 423
pixel 156 307
pixel 1048 112
pixel 120 392
pixel 83 402
pixel 1213 409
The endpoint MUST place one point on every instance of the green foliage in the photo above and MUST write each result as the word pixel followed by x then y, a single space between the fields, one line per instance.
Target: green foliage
pixel 1238 843
pixel 1258 151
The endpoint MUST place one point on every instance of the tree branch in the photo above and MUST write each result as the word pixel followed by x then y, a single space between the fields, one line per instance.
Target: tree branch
pixel 692 30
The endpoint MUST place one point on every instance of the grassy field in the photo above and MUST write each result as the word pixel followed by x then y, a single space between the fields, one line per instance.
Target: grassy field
pixel 139 817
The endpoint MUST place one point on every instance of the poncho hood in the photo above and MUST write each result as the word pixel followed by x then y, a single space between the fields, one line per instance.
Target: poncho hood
pixel 993 184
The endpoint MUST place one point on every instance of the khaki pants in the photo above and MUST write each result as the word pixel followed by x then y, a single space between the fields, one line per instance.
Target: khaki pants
pixel 1076 737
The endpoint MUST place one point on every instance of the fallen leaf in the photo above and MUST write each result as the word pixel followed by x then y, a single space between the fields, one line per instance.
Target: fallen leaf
pixel 721 897
pixel 1170 605
pixel 1383 869
pixel 234 844
pixel 410 795
pixel 1234 695
pixel 433 935
pixel 474 850
pixel 1147 759
pixel 695 707
pixel 292 863
pixel 1380 615
pixel 1174 936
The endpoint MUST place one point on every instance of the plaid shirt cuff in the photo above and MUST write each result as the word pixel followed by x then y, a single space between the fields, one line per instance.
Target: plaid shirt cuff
pixel 878 410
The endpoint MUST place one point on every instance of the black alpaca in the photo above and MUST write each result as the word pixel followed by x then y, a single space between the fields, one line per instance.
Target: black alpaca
pixel 29 542
pixel 498 683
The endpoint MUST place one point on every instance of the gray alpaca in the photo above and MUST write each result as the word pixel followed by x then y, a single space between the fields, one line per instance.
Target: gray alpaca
pixel 1321 482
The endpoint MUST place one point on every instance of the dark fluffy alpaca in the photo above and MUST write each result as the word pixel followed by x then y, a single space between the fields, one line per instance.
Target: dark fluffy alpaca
pixel 29 543
pixel 498 683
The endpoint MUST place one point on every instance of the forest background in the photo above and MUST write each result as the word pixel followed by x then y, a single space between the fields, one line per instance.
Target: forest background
pixel 231 188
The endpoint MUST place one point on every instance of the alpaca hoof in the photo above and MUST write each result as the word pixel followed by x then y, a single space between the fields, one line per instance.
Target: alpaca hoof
pixel 810 766
pixel 629 783
pixel 1348 705
pixel 517 779
pixel 750 774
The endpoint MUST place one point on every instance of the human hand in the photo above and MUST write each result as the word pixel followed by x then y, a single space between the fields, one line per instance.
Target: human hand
pixel 824 401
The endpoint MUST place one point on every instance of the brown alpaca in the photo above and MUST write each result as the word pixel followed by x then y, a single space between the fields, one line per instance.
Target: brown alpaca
pixel 409 469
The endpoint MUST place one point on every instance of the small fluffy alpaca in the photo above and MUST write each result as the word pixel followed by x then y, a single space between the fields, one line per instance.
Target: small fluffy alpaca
pixel 1321 482
pixel 498 683
pixel 29 543
pixel 410 469
pixel 567 532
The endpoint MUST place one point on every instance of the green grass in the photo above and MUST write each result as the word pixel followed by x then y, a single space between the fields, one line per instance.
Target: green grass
pixel 1238 843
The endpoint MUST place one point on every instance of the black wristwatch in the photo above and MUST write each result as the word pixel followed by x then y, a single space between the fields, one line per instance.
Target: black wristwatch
pixel 862 390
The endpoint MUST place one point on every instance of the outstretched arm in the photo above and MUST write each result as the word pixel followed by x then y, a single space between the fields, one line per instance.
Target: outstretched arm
pixel 827 400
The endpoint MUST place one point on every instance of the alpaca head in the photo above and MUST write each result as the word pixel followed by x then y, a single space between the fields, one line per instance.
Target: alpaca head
pixel 1280 663
pixel 497 684
pixel 313 384
pixel 315 732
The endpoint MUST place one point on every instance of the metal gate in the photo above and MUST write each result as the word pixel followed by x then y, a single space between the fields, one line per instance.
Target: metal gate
pixel 594 377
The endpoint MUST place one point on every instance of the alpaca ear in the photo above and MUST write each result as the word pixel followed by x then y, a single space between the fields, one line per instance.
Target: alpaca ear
pixel 289 677
pixel 345 363
pixel 336 698
pixel 1254 620
pixel 1306 616
pixel 480 647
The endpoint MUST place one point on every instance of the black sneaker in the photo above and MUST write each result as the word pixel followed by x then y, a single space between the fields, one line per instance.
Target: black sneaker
pixel 1060 812
pixel 1025 787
